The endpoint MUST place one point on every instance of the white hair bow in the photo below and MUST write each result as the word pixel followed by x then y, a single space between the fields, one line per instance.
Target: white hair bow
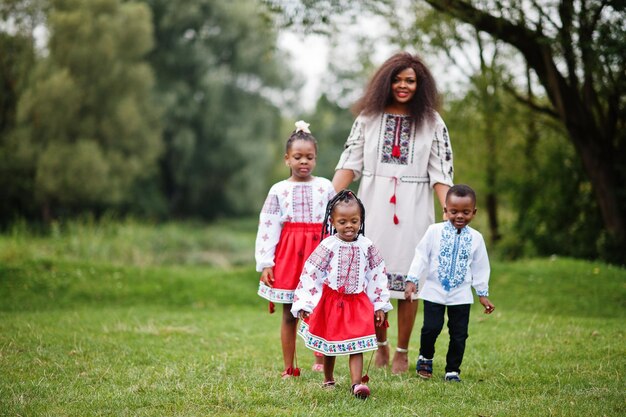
pixel 302 126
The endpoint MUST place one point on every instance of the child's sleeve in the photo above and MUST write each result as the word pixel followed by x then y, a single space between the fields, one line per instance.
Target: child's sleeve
pixel 440 164
pixel 480 268
pixel 376 279
pixel 268 233
pixel 352 156
pixel 309 289
pixel 419 265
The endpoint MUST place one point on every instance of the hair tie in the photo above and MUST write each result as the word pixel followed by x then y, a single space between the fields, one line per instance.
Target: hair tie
pixel 302 126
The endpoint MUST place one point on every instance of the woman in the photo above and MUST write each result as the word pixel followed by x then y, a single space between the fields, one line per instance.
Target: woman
pixel 400 149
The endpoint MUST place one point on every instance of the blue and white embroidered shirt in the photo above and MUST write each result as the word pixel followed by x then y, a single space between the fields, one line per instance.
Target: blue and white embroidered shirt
pixel 449 264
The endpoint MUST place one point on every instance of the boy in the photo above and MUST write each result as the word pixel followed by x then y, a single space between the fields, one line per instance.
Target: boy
pixel 453 258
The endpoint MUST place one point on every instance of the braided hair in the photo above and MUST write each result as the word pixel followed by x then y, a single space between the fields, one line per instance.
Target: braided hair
pixel 343 196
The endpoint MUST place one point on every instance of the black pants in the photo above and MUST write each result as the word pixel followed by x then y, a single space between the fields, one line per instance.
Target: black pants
pixel 458 321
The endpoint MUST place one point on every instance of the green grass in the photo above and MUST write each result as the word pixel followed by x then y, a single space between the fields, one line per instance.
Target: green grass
pixel 129 319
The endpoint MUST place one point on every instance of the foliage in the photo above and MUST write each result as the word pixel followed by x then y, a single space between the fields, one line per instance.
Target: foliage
pixel 217 70
pixel 16 59
pixel 126 337
pixel 86 128
pixel 574 93
pixel 138 107
pixel 574 50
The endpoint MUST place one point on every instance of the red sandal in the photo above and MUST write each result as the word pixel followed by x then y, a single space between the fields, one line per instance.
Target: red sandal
pixel 360 391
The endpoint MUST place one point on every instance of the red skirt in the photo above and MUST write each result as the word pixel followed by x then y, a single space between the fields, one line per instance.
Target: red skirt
pixel 341 324
pixel 297 241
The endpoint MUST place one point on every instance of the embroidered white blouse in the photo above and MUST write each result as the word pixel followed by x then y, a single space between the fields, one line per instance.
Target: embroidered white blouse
pixel 451 264
pixel 351 267
pixel 289 201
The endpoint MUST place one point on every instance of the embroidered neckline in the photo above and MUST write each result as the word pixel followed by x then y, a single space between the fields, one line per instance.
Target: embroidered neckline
pixel 454 255
pixel 343 241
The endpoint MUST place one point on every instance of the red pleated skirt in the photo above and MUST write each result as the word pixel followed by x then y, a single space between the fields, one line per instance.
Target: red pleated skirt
pixel 341 324
pixel 297 241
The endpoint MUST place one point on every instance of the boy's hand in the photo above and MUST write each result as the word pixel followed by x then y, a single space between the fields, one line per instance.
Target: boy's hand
pixel 303 314
pixel 487 304
pixel 267 276
pixel 409 290
pixel 379 318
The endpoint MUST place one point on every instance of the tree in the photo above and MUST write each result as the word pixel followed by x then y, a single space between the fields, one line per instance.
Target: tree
pixel 218 78
pixel 87 130
pixel 579 61
pixel 18 18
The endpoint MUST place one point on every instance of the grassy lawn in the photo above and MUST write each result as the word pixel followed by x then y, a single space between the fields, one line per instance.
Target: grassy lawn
pixel 128 319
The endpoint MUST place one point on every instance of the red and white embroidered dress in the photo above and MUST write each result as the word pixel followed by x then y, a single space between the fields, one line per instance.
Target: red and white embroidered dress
pixel 342 285
pixel 290 226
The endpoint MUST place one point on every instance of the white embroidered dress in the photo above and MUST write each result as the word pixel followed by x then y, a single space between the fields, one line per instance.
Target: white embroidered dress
pixel 288 202
pixel 450 264
pixel 399 186
pixel 350 268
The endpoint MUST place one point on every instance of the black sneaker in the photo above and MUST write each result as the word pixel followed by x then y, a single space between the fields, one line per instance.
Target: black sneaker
pixel 424 367
pixel 452 377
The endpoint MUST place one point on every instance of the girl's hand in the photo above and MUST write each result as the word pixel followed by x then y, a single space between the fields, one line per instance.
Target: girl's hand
pixel 409 290
pixel 379 318
pixel 303 314
pixel 267 276
pixel 487 304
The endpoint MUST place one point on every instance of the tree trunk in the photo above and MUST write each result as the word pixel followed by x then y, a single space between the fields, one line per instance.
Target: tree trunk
pixel 599 166
pixel 46 212
pixel 528 184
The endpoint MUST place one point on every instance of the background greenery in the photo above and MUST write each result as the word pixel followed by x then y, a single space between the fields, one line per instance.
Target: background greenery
pixel 150 109
pixel 138 140
pixel 110 318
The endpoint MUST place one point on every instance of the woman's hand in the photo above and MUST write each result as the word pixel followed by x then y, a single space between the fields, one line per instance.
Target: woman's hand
pixel 267 276
pixel 303 314
pixel 409 290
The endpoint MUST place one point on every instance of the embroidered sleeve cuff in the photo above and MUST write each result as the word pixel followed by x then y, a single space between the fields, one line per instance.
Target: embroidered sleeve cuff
pixel 414 280
pixel 484 293
pixel 262 265
pixel 385 307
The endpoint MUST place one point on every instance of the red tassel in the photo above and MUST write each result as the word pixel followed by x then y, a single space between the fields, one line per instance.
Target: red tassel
pixel 365 379
pixel 395 151
pixel 272 308
pixel 296 370
pixel 392 200
pixel 395 219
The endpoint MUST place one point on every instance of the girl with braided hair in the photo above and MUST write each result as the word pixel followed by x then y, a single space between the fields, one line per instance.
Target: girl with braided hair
pixel 289 230
pixel 342 295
